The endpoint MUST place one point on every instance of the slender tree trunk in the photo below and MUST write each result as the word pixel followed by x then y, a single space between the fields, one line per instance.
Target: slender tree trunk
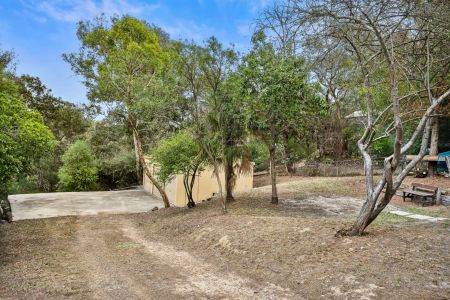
pixel 230 180
pixel 191 185
pixel 339 127
pixel 219 182
pixel 138 164
pixel 188 188
pixel 432 165
pixel 141 158
pixel 273 175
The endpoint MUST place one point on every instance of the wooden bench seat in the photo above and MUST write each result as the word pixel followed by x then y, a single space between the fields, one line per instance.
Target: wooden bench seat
pixel 426 193
pixel 418 193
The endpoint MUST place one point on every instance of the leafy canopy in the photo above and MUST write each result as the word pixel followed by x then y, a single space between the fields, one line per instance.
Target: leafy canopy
pixel 23 135
pixel 275 88
pixel 118 59
pixel 79 170
pixel 177 154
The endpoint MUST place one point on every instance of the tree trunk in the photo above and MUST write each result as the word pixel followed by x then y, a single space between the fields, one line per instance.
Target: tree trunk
pixel 230 180
pixel 141 158
pixel 219 182
pixel 273 175
pixel 191 185
pixel 375 203
pixel 432 165
pixel 138 164
pixel 5 206
pixel 188 188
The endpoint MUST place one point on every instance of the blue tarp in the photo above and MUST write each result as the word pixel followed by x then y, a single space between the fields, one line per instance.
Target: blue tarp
pixel 441 165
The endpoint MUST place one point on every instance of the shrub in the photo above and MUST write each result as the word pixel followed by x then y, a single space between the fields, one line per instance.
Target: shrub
pixel 118 170
pixel 79 170
pixel 260 155
pixel 383 148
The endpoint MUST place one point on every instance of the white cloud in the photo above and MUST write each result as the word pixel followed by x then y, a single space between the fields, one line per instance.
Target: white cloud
pixel 76 10
pixel 190 30
pixel 254 5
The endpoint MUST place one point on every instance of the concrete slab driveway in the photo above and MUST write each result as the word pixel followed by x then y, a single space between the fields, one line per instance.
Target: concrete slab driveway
pixel 46 205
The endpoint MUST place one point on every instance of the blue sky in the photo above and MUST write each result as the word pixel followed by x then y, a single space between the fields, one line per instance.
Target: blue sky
pixel 41 31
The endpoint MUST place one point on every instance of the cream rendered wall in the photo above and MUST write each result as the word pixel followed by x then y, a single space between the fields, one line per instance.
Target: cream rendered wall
pixel 204 187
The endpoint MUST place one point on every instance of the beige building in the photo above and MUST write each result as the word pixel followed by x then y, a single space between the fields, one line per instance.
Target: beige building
pixel 204 187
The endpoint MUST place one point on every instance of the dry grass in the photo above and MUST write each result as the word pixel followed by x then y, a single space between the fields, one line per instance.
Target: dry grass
pixel 285 248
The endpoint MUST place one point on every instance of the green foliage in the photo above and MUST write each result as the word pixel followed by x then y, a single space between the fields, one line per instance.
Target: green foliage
pixel 295 151
pixel 65 120
pixel 118 170
pixel 260 155
pixel 23 136
pixel 179 154
pixel 383 148
pixel 24 185
pixel 276 92
pixel 122 63
pixel 117 59
pixel 351 135
pixel 79 170
pixel 113 149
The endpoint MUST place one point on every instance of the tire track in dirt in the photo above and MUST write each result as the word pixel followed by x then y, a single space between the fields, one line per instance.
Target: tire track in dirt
pixel 115 273
pixel 106 279
pixel 203 277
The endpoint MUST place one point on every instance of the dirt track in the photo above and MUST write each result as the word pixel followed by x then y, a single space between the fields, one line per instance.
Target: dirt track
pixel 255 251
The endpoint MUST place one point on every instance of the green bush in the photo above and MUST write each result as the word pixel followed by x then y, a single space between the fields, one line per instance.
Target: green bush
pixel 24 185
pixel 117 170
pixel 79 170
pixel 383 148
pixel 260 155
pixel 179 154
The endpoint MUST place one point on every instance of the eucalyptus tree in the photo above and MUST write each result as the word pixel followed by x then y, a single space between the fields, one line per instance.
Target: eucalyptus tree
pixel 398 51
pixel 65 119
pixel 120 62
pixel 275 90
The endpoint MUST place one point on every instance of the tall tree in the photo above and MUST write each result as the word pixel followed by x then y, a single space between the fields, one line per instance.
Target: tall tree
pixel 65 119
pixel 226 115
pixel 275 88
pixel 23 136
pixel 120 60
pixel 236 150
pixel 205 71
pixel 397 47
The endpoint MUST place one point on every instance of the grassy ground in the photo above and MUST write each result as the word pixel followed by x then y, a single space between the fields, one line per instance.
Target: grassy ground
pixel 257 250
